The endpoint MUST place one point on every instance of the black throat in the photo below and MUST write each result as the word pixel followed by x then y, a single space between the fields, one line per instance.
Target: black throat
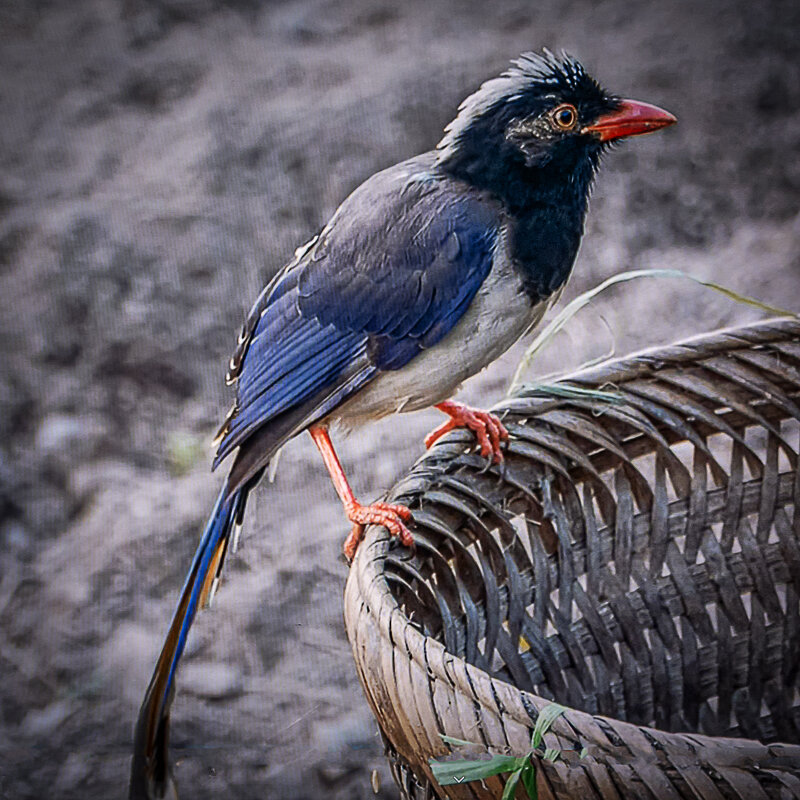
pixel 546 205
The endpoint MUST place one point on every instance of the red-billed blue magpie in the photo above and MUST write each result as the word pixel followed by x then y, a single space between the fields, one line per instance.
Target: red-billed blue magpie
pixel 426 273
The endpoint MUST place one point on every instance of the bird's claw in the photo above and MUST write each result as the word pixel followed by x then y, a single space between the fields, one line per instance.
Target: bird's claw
pixel 391 516
pixel 487 427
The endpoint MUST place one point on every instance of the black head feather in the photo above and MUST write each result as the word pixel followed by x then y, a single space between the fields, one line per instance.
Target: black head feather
pixel 482 144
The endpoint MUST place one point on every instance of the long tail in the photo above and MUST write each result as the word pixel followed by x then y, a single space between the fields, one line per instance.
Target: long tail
pixel 150 773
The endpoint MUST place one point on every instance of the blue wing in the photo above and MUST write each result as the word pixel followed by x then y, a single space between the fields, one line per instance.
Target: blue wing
pixel 390 275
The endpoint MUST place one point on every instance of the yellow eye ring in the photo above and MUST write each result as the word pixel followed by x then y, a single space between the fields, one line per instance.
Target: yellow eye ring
pixel 564 117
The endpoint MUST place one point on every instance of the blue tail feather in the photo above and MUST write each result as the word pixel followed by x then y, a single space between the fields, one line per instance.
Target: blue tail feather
pixel 150 769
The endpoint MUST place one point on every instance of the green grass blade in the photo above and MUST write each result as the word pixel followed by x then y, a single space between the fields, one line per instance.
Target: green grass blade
pixel 450 772
pixel 456 742
pixel 511 785
pixel 573 307
pixel 528 778
pixel 573 392
pixel 547 716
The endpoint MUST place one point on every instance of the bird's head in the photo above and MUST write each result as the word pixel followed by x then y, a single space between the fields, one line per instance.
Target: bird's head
pixel 545 121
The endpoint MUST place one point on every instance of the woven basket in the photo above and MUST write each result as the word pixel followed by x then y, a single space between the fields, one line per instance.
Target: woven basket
pixel 636 559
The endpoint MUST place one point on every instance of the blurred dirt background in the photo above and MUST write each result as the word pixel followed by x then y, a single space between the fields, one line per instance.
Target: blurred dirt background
pixel 159 160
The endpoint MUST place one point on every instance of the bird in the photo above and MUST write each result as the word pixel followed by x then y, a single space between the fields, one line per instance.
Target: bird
pixel 425 274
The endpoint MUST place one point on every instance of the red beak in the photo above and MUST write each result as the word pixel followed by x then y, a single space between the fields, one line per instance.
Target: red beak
pixel 631 118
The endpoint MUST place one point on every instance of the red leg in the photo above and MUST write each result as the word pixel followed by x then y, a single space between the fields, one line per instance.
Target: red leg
pixel 390 516
pixel 487 428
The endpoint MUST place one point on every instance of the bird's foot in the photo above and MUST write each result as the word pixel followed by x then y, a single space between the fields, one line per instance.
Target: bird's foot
pixel 486 426
pixel 391 516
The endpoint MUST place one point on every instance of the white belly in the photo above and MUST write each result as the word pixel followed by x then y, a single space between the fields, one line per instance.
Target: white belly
pixel 500 313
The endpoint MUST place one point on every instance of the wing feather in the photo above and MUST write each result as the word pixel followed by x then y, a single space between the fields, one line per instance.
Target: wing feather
pixel 390 275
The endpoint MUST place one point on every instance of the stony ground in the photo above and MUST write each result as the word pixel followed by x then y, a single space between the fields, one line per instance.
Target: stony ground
pixel 159 159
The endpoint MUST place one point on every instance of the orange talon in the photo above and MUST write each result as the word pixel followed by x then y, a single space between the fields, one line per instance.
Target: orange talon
pixel 487 427
pixel 352 542
pixel 386 514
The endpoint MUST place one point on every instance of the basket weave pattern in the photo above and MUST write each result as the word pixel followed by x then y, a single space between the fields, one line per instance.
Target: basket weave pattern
pixel 636 558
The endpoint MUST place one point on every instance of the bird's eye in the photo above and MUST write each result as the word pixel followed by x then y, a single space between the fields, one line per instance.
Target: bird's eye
pixel 564 117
